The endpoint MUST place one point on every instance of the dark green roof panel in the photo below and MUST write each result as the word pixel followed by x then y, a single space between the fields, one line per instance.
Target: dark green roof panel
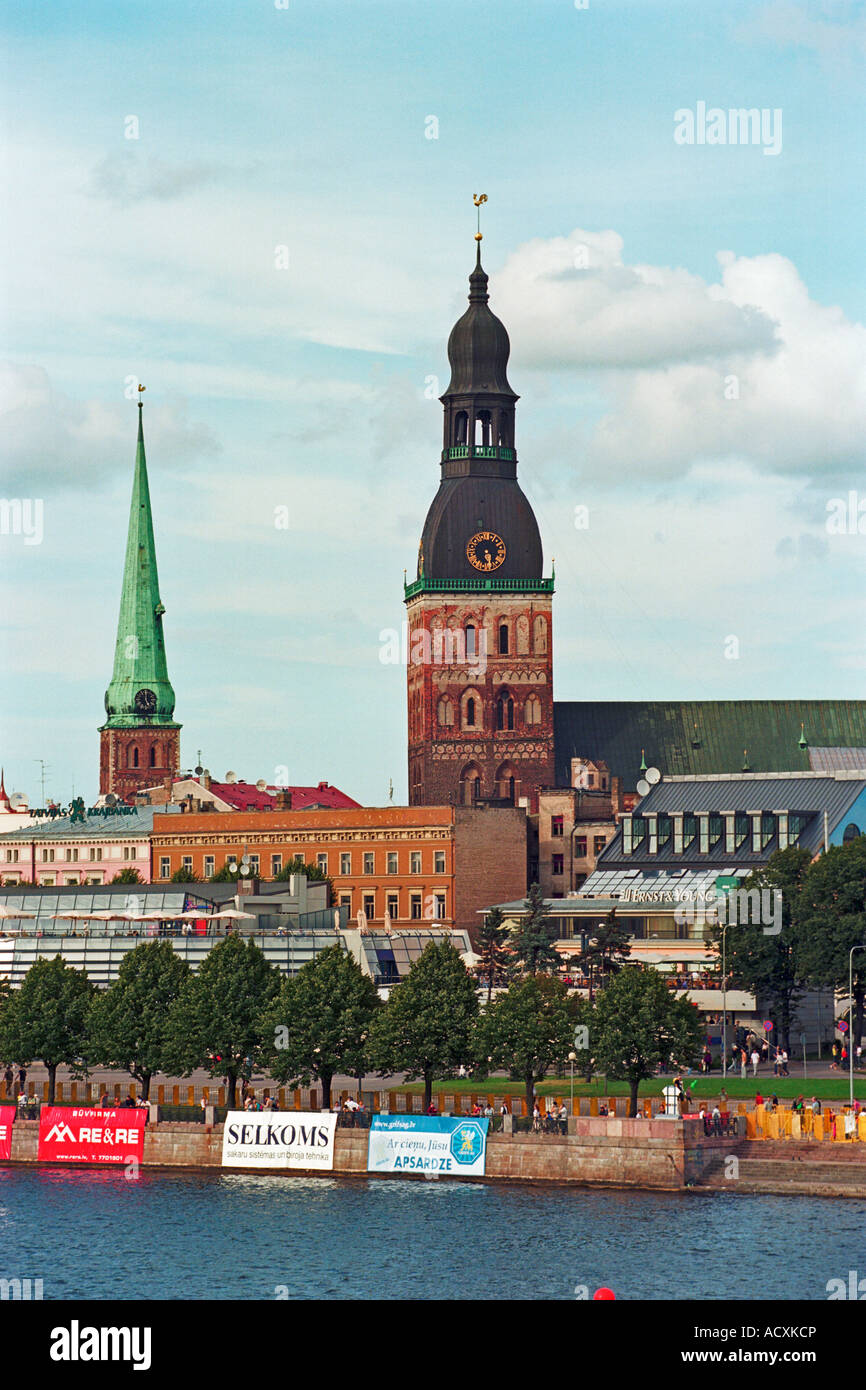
pixel 703 736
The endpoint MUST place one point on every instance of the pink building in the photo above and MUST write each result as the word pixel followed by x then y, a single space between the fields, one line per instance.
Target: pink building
pixel 67 852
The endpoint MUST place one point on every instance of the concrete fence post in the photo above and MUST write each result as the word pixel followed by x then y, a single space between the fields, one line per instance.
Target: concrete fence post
pixel 153 1113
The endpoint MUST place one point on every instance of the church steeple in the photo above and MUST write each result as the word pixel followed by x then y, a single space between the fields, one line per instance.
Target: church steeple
pixel 140 696
pixel 140 690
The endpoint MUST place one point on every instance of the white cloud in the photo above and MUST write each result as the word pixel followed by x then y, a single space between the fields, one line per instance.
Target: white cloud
pixel 747 368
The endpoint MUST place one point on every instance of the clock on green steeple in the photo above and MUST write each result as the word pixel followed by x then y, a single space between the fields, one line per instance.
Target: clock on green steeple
pixel 140 740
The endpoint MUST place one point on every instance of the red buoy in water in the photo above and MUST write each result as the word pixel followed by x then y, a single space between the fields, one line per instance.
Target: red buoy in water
pixel 604 1293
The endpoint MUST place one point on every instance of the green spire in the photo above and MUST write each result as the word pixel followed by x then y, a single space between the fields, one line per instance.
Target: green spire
pixel 803 741
pixel 140 692
pixel 643 760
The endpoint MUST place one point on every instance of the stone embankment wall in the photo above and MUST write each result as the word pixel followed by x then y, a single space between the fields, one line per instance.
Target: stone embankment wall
pixel 664 1155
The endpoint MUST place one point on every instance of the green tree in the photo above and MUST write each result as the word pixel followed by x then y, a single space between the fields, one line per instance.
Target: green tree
pixel 128 875
pixel 225 875
pixel 217 1022
pixel 319 1024
pixel 832 919
pixel 185 875
pixel 637 1024
pixel 493 948
pixel 129 1023
pixel 527 1030
pixel 311 871
pixel 533 936
pixel 47 1019
pixel 425 1028
pixel 771 966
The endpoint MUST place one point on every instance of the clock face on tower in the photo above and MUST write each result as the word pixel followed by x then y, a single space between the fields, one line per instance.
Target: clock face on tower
pixel 145 702
pixel 485 551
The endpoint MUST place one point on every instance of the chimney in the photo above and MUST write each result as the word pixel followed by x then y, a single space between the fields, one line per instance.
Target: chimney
pixel 283 799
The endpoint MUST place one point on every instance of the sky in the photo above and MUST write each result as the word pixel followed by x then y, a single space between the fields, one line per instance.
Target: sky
pixel 263 211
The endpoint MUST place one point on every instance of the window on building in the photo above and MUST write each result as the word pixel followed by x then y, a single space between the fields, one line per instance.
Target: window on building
pixel 445 712
pixel 254 866
pixel 439 861
pixel 590 779
pixel 391 861
pixel 322 862
pixel 345 863
pixel 439 906
pixel 209 866
pixel 48 880
pixel 393 903
pixel 556 864
pixel 415 861
pixel 71 881
pixel 276 864
pixel 346 900
pixel 580 846
pixel 11 856
pixel 598 844
pixel 96 852
pixel 503 639
pixel 369 905
pixel 186 861
pixel 532 710
pixel 135 757
pixel 470 713
pixel 557 825
pixel 153 755
pixel 164 866
pixel 471 640
pixel 369 865
pixel 73 856
pixel 505 712
pixel 415 906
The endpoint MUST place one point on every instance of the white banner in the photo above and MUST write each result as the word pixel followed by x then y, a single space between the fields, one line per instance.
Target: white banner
pixel 280 1139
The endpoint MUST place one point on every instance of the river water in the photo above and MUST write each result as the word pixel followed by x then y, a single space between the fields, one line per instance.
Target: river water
pixel 92 1233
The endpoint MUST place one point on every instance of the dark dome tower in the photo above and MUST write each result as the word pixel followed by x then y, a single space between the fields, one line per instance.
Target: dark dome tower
pixel 480 650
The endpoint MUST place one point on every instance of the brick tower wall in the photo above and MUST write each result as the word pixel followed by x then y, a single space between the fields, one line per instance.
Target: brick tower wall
pixel 443 677
pixel 115 750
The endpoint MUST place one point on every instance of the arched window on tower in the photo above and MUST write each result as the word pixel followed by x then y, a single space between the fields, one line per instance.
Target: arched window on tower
pixel 503 639
pixel 482 427
pixel 470 784
pixel 539 636
pixel 445 712
pixel 506 782
pixel 133 759
pixel 505 712
pixel 153 755
pixel 503 429
pixel 471 641
pixel 470 713
pixel 461 427
pixel 532 710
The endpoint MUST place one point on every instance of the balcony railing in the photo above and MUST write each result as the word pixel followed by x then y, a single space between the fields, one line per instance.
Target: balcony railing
pixel 478 451
pixel 479 585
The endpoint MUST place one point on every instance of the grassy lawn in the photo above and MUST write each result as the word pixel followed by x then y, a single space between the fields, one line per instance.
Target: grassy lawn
pixel 705 1087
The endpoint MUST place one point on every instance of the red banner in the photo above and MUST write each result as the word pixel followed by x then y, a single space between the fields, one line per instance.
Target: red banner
pixel 70 1135
pixel 7 1120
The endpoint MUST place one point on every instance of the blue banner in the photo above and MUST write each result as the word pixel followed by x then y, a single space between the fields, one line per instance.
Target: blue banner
pixel 428 1144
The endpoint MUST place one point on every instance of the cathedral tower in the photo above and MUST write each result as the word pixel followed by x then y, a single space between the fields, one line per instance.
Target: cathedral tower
pixel 480 672
pixel 139 741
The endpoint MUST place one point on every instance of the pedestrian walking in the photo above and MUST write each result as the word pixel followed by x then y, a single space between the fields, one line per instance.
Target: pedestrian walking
pixel 756 1057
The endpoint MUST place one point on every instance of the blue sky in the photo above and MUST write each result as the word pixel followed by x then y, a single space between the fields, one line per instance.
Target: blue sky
pixel 305 128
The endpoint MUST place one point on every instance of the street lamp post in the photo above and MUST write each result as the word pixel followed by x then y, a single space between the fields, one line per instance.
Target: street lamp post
pixel 724 1007
pixel 851 1022
pixel 572 1057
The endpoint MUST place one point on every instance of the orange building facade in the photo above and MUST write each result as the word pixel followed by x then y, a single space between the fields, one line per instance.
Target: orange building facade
pixel 413 865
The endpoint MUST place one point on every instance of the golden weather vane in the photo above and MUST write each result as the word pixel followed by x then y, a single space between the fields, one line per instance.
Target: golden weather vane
pixel 478 199
pixel 140 389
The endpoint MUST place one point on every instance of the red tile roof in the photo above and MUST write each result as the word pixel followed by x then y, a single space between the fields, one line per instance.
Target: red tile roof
pixel 245 796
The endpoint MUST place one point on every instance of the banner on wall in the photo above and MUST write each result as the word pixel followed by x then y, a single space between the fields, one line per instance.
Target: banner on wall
pixel 70 1135
pixel 427 1144
pixel 293 1139
pixel 7 1120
